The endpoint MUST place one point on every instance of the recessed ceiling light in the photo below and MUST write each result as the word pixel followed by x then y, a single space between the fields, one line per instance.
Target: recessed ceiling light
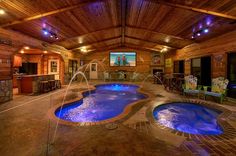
pixel 167 39
pixel 80 40
pixel 26 47
pixel 2 12
pixel 45 52
pixel 22 52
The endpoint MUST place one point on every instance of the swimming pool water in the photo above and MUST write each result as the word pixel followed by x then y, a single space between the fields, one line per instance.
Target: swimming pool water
pixel 107 101
pixel 189 118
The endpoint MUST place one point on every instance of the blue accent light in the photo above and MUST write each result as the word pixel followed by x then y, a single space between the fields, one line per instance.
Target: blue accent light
pixel 208 21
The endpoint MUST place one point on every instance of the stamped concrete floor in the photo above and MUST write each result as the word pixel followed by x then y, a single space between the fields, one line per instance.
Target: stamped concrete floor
pixel 27 130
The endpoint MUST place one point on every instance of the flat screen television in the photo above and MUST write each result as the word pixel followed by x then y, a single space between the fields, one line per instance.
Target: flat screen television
pixel 123 59
pixel 29 68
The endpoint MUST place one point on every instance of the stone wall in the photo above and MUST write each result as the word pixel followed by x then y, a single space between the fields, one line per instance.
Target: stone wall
pixel 5 90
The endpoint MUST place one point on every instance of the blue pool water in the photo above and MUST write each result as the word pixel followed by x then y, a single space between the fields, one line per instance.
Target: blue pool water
pixel 107 101
pixel 189 118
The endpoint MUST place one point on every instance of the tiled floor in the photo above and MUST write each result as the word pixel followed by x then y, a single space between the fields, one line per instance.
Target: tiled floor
pixel 26 129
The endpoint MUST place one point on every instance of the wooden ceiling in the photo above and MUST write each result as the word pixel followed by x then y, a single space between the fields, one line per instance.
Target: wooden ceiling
pixel 106 24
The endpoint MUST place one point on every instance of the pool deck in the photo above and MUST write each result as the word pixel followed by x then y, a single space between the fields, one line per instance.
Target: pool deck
pixel 27 130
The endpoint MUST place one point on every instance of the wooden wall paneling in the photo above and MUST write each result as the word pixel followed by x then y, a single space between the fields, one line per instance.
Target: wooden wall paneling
pixel 142 66
pixel 217 48
pixel 6 62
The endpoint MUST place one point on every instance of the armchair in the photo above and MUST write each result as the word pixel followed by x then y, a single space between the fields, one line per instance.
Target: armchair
pixel 190 86
pixel 217 89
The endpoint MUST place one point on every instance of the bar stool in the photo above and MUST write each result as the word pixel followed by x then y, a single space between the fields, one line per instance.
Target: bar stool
pixel 58 84
pixel 43 86
pixel 52 84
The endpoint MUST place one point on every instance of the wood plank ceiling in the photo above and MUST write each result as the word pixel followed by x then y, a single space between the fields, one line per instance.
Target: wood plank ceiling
pixel 106 24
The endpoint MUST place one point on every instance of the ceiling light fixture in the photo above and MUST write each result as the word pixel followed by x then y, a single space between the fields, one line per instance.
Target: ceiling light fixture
pixel 206 30
pixel 26 47
pixel 202 28
pixel 167 39
pixel 2 12
pixel 45 52
pixel 22 52
pixel 163 50
pixel 83 50
pixel 48 31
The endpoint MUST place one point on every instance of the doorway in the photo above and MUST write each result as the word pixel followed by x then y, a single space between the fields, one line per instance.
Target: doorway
pixel 179 66
pixel 73 66
pixel 231 74
pixel 93 71
pixel 201 68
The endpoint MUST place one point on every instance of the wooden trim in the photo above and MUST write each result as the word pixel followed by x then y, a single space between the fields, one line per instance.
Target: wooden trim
pixel 105 48
pixel 204 11
pixel 141 48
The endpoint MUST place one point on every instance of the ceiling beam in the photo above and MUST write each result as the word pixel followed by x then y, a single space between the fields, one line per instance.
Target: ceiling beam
pixel 156 44
pixel 160 43
pixel 204 11
pixel 133 46
pixel 123 19
pixel 87 34
pixel 158 33
pixel 49 13
pixel 105 48
pixel 93 43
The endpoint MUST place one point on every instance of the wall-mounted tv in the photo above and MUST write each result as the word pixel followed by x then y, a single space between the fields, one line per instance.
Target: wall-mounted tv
pixel 126 59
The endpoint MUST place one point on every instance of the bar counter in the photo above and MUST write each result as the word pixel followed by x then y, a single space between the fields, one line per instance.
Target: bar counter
pixel 30 83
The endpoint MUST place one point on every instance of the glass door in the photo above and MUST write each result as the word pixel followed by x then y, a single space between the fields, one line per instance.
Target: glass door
pixel 232 75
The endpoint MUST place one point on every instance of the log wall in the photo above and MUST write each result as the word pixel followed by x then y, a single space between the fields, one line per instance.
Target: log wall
pixel 217 48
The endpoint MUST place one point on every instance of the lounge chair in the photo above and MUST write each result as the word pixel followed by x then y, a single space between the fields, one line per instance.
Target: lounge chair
pixel 106 76
pixel 134 76
pixel 190 86
pixel 121 76
pixel 217 89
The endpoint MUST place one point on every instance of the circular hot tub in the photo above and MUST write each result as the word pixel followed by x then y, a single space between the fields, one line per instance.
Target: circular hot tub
pixel 189 118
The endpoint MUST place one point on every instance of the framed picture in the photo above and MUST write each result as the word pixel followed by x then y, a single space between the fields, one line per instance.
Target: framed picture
pixel 123 59
pixel 53 66
pixel 157 59
pixel 168 63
